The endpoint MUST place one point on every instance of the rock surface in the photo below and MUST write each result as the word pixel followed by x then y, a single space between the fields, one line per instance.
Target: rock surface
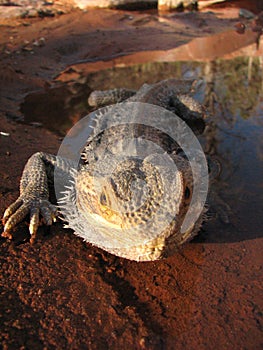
pixel 65 5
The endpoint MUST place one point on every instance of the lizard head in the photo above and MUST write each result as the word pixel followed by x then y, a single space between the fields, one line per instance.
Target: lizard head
pixel 127 197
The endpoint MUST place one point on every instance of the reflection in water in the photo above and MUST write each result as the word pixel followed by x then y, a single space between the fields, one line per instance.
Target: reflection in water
pixel 232 92
pixel 233 95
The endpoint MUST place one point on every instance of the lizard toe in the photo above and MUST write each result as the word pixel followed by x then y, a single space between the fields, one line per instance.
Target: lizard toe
pixel 48 212
pixel 11 210
pixel 34 221
pixel 17 216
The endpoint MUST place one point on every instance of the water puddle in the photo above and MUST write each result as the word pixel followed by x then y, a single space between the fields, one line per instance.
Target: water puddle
pixel 232 90
pixel 60 106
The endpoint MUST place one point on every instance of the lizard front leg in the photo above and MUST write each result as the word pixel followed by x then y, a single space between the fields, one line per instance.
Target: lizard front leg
pixel 34 195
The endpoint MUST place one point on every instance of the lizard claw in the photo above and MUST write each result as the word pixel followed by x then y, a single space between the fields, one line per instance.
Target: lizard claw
pixel 11 209
pixel 17 211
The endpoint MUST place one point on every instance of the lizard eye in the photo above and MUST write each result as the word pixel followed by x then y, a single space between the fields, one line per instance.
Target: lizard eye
pixel 187 193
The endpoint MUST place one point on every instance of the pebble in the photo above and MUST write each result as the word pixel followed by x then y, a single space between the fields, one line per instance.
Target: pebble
pixel 2 133
pixel 240 27
pixel 40 42
pixel 28 49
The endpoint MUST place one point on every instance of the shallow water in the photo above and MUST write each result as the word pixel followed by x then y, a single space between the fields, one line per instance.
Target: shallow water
pixel 231 90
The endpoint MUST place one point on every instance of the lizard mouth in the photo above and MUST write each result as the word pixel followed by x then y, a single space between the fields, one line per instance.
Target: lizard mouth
pixel 111 216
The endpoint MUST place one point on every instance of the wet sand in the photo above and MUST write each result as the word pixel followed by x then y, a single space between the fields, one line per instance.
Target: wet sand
pixel 62 293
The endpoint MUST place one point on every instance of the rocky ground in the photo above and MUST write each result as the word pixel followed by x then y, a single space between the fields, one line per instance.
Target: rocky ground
pixel 62 293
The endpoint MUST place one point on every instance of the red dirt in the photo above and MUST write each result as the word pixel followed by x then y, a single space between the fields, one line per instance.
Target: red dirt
pixel 62 293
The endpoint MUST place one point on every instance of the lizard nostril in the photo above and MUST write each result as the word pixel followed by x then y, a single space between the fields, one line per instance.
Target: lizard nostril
pixel 103 199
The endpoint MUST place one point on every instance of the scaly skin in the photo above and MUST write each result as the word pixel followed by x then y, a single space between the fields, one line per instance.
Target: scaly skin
pixel 102 98
pixel 171 94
